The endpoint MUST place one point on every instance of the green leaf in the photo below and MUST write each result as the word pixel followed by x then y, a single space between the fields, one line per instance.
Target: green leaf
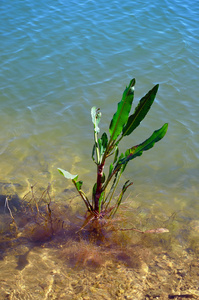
pixel 112 189
pixel 110 170
pixel 119 200
pixel 116 155
pixel 93 152
pixel 79 185
pixel 100 201
pixel 103 142
pixel 94 192
pixel 121 157
pixel 103 178
pixel 66 174
pixel 146 145
pixel 140 111
pixel 96 116
pixel 121 116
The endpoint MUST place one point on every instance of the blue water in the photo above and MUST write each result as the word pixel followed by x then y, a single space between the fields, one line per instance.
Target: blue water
pixel 60 58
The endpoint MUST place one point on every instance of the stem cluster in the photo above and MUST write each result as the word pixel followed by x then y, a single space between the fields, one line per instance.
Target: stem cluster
pixel 121 125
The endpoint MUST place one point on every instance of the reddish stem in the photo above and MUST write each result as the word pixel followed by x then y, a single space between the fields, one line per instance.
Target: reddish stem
pixel 98 192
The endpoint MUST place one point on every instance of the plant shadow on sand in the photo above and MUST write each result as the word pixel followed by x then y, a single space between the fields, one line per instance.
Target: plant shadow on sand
pixel 148 265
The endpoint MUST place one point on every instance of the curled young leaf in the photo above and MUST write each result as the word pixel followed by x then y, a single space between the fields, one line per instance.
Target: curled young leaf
pixel 96 116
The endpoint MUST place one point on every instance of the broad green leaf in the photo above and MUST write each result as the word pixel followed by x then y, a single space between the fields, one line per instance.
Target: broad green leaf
pixel 96 116
pixel 121 116
pixel 140 111
pixel 66 174
pixel 146 145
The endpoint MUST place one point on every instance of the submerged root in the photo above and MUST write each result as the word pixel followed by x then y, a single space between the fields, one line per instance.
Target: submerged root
pixel 100 241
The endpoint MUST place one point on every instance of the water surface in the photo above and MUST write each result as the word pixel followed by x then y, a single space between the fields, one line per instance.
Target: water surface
pixel 57 60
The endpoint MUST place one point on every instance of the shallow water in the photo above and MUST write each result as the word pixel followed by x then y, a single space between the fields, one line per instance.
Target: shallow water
pixel 55 65
pixel 46 256
pixel 57 60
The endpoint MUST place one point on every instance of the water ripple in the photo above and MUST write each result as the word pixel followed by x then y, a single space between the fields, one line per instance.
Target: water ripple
pixel 58 59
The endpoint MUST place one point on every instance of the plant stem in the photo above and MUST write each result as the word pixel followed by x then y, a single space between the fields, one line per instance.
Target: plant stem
pixel 97 147
pixel 109 148
pixel 110 177
pixel 114 188
pixel 98 192
pixel 83 196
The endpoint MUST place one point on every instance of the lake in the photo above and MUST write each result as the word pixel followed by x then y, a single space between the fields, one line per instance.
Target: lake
pixel 60 58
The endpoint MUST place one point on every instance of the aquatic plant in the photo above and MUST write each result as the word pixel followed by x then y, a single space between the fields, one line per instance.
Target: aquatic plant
pixel 121 126
pixel 39 221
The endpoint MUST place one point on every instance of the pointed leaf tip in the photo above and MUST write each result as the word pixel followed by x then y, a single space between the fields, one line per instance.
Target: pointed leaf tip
pixel 146 145
pixel 123 109
pixel 140 112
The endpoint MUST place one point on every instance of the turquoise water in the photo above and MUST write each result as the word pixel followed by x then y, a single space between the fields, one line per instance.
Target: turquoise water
pixel 60 58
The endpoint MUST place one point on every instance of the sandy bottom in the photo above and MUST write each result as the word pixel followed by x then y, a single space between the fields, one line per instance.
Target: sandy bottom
pixel 45 258
pixel 42 275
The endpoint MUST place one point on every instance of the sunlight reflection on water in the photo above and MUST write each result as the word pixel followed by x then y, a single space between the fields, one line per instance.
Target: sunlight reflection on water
pixel 55 65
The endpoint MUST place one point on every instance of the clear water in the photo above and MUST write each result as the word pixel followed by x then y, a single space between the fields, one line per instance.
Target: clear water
pixel 60 58
pixel 57 60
